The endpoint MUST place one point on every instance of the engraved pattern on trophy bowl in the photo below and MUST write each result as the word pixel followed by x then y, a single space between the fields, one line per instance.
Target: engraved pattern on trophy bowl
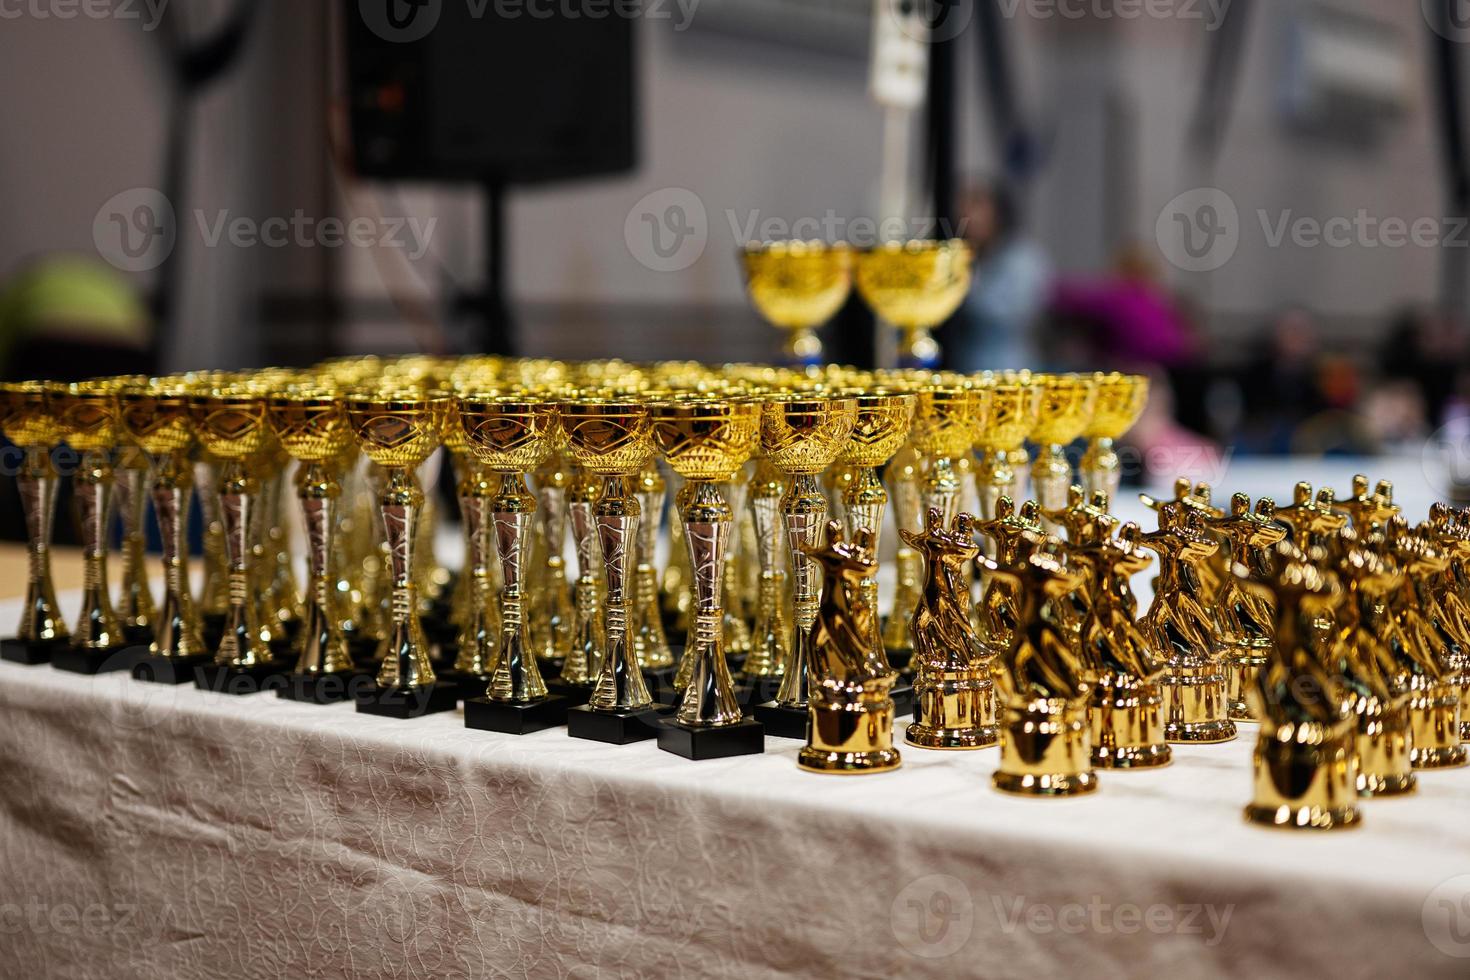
pixel 803 433
pixel 1014 408
pixel 29 422
pixel 311 424
pixel 87 414
pixel 916 283
pixel 948 418
pixel 610 438
pixel 1067 402
pixel 397 429
pixel 882 427
pixel 797 283
pixel 706 439
pixel 1121 399
pixel 156 415
pixel 509 434
pixel 230 422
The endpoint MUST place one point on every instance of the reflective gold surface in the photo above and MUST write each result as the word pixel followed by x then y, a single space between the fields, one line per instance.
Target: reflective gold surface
pixel 26 420
pixel 915 285
pixel 798 286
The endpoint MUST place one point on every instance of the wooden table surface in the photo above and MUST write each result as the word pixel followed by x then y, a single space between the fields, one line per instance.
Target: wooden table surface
pixel 66 569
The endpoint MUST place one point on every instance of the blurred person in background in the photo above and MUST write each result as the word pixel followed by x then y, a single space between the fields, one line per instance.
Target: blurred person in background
pixel 1426 349
pixel 996 326
pixel 1127 317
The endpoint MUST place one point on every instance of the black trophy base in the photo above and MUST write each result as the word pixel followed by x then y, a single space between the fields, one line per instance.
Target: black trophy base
pixel 751 691
pixel 325 688
pixel 214 629
pixel 158 669
pixel 240 681
pixel 414 702
pixel 23 652
pixel 903 699
pixel 142 635
pixel 781 721
pixel 660 683
pixel 614 727
pixel 742 738
pixel 574 693
pixel 363 649
pixel 79 660
pixel 510 718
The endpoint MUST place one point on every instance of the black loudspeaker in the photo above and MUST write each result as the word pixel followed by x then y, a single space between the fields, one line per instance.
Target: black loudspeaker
pixel 503 91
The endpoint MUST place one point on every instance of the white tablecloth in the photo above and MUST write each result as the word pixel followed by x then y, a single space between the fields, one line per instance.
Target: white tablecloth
pixel 148 831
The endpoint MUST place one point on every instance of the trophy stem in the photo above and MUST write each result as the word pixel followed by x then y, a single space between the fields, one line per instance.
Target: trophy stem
pixel 709 697
pixel 620 686
pixel 650 645
pixel 941 489
pixel 864 501
pixel 478 633
pixel 517 678
pixel 41 620
pixel 771 640
pixel 585 659
pixel 137 612
pixel 97 627
pixel 737 630
pixel 323 645
pixel 997 477
pixel 556 610
pixel 214 596
pixel 904 491
pixel 1051 476
pixel 917 349
pixel 406 661
pixel 177 633
pixel 805 510
pixel 1101 468
pixel 240 645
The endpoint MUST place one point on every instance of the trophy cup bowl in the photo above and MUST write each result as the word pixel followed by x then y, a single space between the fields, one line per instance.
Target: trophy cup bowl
pixel 1064 413
pixel 915 285
pixel 509 434
pixel 612 438
pixel 87 412
pixel 798 286
pixel 155 415
pixel 1015 405
pixel 229 416
pixel 802 433
pixel 399 425
pixel 1121 399
pixel 27 421
pixel 706 441
pixel 311 425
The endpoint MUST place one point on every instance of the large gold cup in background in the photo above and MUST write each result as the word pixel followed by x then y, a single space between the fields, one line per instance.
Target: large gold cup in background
pixel 611 437
pixel 915 285
pixel 798 286
pixel 1067 404
pixel 399 428
pixel 230 421
pixel 156 416
pixel 706 441
pixel 87 412
pixel 801 434
pixel 311 425
pixel 1121 399
pixel 509 434
pixel 26 419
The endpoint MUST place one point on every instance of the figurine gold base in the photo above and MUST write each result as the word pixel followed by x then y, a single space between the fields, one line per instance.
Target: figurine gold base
pixel 1434 721
pixel 1195 705
pixel 1242 665
pixel 1128 725
pixel 849 737
pixel 1382 744
pixel 954 709
pixel 1306 777
pixel 1045 750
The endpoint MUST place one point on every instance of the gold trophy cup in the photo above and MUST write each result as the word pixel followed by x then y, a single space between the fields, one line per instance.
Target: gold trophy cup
pixel 915 285
pixel 1121 399
pixel 27 421
pixel 798 286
